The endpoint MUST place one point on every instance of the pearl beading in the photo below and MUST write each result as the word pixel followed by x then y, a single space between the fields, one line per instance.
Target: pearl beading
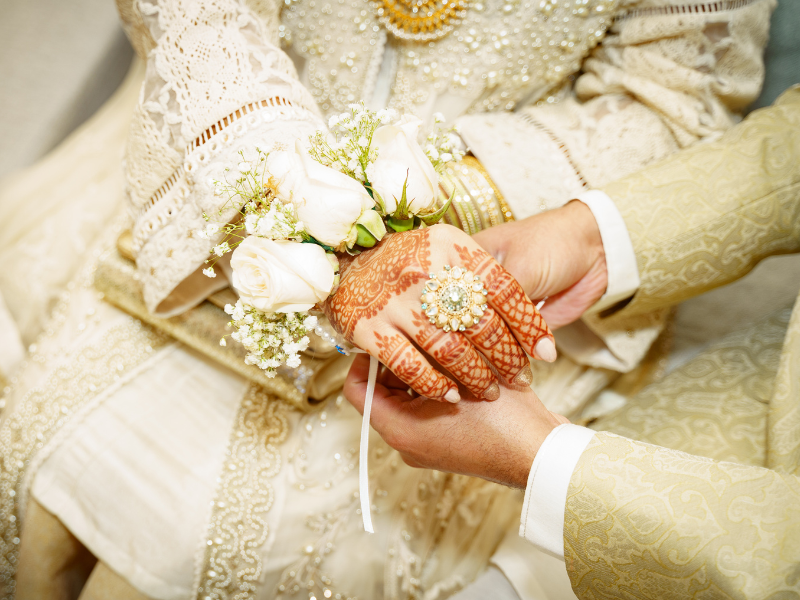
pixel 503 53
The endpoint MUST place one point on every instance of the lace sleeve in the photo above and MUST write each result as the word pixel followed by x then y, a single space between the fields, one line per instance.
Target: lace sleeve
pixel 217 85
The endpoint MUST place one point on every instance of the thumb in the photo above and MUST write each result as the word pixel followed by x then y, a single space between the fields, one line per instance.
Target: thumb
pixel 355 385
pixel 493 241
pixel 386 402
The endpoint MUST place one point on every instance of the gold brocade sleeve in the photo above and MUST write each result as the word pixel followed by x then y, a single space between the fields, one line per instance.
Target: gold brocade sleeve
pixel 709 214
pixel 646 522
pixel 783 417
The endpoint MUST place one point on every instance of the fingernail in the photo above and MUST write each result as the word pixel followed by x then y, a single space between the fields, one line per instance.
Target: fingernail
pixel 492 392
pixel 452 396
pixel 545 350
pixel 525 377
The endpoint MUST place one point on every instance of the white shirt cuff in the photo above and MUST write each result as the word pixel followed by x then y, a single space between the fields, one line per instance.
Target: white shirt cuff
pixel 542 521
pixel 623 273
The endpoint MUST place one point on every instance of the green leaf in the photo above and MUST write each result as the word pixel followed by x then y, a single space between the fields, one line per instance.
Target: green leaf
pixel 364 238
pixel 435 217
pixel 402 206
pixel 372 222
pixel 313 240
pixel 400 224
pixel 378 200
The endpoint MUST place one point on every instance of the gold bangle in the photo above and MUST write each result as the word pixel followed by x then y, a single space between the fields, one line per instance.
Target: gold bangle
pixel 482 196
pixel 476 167
pixel 477 202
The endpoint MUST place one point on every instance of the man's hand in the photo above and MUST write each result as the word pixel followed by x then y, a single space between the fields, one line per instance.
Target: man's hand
pixel 493 440
pixel 377 307
pixel 556 255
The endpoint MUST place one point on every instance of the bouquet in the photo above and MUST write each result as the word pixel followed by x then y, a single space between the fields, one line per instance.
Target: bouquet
pixel 365 179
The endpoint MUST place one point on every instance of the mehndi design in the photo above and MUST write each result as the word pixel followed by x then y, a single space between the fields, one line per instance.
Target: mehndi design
pixel 377 308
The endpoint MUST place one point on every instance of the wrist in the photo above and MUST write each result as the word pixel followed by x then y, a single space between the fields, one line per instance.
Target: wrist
pixel 522 443
pixel 587 233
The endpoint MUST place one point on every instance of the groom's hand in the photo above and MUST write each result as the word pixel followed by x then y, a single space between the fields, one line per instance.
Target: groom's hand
pixel 556 255
pixel 494 440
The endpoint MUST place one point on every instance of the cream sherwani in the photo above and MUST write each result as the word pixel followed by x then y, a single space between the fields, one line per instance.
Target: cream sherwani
pixel 712 510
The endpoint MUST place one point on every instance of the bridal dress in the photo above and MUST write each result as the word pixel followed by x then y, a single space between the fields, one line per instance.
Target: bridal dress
pixel 185 474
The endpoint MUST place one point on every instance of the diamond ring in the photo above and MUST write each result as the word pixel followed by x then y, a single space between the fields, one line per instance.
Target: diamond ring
pixel 454 299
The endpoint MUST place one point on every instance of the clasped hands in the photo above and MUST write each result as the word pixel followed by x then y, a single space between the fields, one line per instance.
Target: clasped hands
pixel 558 255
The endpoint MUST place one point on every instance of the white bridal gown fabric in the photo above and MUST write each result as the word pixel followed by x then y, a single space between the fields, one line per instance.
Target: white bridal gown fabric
pixel 188 481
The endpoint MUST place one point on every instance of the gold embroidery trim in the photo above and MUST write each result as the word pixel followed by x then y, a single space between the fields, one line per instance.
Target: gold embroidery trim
pixel 561 145
pixel 232 565
pixel 204 137
pixel 46 408
pixel 709 7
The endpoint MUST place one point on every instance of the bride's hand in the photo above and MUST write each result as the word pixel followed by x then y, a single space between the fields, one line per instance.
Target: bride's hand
pixel 377 307
pixel 556 255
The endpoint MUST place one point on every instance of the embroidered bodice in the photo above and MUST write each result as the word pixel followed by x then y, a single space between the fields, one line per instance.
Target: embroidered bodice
pixel 501 54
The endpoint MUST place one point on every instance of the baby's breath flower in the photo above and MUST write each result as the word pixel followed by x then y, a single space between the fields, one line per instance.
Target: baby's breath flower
pixel 251 223
pixel 209 272
pixel 222 249
pixel 238 312
pixel 244 167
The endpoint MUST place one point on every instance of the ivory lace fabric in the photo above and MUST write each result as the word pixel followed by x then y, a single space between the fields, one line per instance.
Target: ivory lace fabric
pixel 240 493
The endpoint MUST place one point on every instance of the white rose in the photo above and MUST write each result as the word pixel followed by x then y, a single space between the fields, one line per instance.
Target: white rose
pixel 327 202
pixel 286 173
pixel 281 276
pixel 401 156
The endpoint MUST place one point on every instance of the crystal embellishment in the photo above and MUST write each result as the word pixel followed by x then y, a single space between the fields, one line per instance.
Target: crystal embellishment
pixel 454 299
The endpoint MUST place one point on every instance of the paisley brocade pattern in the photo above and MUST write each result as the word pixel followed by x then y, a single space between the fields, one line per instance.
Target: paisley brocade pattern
pixel 783 418
pixel 731 204
pixel 714 406
pixel 648 522
pixel 644 521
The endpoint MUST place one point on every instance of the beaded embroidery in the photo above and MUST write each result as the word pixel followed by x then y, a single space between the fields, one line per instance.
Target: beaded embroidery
pixel 502 53
pixel 85 375
pixel 232 564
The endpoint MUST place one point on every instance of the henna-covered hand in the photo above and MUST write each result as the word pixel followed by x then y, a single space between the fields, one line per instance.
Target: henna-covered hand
pixel 377 308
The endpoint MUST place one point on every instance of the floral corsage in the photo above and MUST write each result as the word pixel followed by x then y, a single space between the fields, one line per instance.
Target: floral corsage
pixel 368 177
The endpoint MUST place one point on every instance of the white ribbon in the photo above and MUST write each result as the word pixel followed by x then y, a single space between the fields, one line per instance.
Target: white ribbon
pixel 363 471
